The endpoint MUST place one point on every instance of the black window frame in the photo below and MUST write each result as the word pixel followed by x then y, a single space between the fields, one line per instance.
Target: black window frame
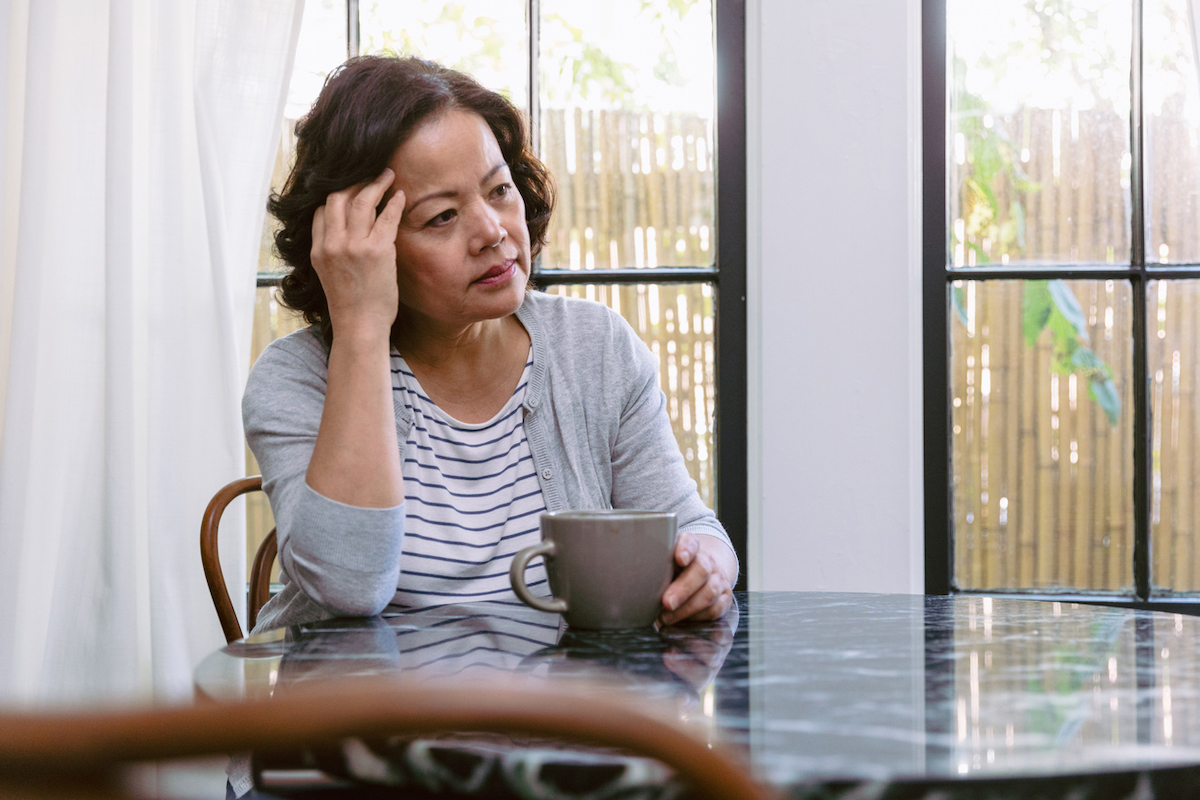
pixel 727 274
pixel 937 276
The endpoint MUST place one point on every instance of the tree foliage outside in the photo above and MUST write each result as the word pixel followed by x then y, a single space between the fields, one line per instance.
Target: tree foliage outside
pixel 484 38
pixel 1008 58
pixel 634 55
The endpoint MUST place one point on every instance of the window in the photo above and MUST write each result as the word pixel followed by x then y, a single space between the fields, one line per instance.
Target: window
pixel 1062 258
pixel 629 111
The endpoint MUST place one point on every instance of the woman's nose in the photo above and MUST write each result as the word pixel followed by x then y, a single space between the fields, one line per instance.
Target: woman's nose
pixel 489 229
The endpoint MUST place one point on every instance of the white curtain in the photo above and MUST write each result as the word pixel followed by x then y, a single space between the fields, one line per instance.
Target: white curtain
pixel 1193 13
pixel 135 153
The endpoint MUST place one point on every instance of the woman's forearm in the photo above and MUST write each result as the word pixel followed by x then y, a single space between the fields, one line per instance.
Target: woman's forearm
pixel 356 459
pixel 344 558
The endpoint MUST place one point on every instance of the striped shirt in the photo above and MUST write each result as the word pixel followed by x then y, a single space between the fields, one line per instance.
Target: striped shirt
pixel 473 500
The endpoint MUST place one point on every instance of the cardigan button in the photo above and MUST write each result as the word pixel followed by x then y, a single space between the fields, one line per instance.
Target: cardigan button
pixel 547 474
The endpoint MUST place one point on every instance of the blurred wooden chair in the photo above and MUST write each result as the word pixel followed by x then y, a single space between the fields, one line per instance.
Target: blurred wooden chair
pixel 260 572
pixel 86 754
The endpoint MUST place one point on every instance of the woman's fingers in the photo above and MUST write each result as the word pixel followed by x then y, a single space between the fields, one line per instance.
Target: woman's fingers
pixel 704 599
pixel 685 548
pixel 360 219
pixel 335 211
pixel 389 218
pixel 701 591
pixel 695 589
pixel 354 254
pixel 352 210
pixel 685 582
pixel 318 232
pixel 346 230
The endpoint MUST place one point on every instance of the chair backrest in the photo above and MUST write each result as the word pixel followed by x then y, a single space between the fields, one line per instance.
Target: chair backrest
pixel 92 746
pixel 260 572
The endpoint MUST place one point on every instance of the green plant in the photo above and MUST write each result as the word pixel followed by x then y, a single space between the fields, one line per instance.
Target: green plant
pixel 1051 305
pixel 993 165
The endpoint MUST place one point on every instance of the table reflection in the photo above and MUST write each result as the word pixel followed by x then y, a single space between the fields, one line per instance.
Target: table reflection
pixel 818 687
pixel 670 672
pixel 1062 678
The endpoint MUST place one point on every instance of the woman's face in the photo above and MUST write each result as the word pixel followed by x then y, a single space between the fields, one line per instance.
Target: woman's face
pixel 462 248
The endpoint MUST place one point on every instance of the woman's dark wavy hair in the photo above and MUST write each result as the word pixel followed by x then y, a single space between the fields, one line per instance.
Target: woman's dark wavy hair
pixel 367 109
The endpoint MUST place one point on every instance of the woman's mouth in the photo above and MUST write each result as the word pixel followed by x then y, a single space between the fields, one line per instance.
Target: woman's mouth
pixel 499 273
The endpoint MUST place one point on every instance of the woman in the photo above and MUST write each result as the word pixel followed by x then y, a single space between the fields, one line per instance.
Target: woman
pixel 412 436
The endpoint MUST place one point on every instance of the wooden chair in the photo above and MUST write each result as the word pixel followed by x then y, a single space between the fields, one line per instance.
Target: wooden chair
pixel 50 755
pixel 260 571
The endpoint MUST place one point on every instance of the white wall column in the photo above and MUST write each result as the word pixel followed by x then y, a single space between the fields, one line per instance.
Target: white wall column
pixel 834 116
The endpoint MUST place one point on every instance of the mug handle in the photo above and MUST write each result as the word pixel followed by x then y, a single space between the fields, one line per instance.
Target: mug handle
pixel 516 576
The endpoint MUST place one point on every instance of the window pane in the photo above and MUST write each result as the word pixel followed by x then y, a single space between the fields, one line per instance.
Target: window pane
pixel 676 322
pixel 626 128
pixel 1042 434
pixel 321 48
pixel 1174 319
pixel 484 38
pixel 1172 106
pixel 1038 131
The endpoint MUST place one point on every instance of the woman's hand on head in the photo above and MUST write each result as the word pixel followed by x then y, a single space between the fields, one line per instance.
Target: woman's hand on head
pixel 354 254
pixel 703 590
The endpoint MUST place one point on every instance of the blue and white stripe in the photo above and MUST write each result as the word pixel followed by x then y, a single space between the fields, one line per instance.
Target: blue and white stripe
pixel 472 501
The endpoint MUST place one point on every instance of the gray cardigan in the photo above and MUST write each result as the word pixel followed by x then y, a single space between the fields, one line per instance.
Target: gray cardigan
pixel 597 427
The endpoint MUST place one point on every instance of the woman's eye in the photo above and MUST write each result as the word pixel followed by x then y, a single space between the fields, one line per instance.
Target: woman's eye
pixel 443 218
pixel 503 190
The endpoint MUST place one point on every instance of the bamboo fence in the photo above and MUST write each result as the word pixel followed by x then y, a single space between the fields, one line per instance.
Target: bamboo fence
pixel 634 190
pixel 1042 482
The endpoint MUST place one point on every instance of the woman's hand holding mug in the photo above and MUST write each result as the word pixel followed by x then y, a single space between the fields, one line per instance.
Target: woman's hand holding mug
pixel 703 590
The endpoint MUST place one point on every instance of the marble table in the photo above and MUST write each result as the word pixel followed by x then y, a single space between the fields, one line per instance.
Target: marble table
pixel 833 694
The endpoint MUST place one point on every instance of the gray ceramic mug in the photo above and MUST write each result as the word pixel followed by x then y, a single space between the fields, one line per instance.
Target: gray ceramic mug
pixel 607 569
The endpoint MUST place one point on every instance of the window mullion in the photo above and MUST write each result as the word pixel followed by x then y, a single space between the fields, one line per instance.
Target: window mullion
pixel 1142 452
pixel 533 27
pixel 729 33
pixel 557 277
pixel 939 546
pixel 1136 128
pixel 352 29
